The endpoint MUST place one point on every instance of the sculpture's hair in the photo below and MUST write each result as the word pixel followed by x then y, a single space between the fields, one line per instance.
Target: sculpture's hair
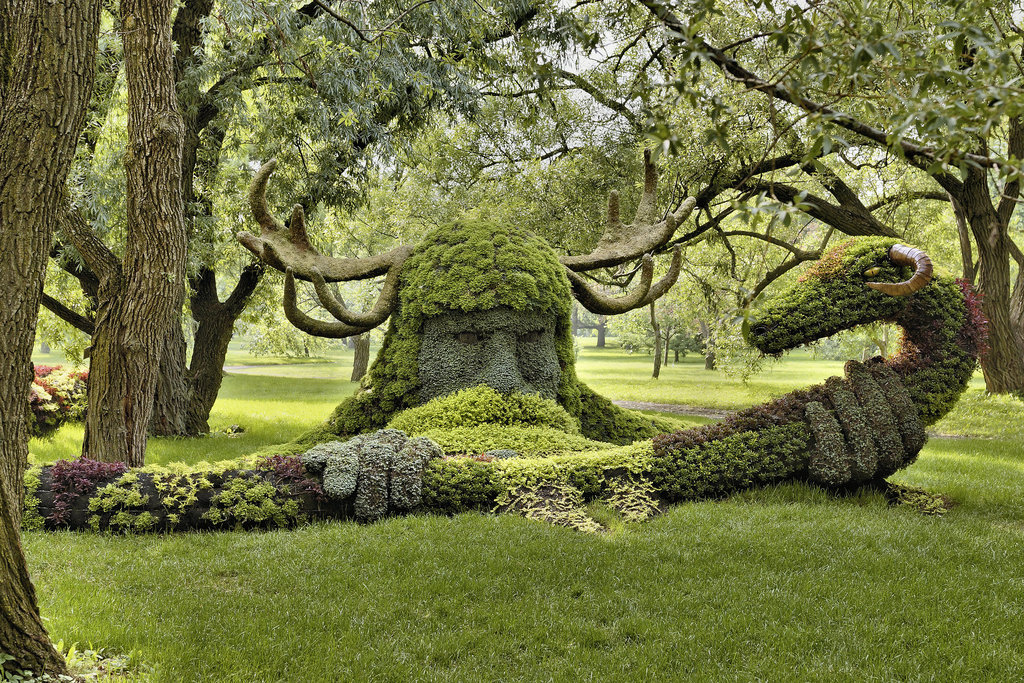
pixel 476 265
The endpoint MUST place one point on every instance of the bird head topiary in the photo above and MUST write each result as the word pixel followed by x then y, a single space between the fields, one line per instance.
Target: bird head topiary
pixel 475 303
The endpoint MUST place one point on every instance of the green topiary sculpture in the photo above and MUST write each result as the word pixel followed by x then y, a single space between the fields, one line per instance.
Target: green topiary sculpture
pixel 844 433
pixel 475 303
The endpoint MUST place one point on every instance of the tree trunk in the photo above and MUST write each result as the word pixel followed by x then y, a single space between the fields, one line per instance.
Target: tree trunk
pixel 657 343
pixel 139 300
pixel 602 329
pixel 44 347
pixel 216 325
pixel 1003 365
pixel 668 343
pixel 170 403
pixel 362 357
pixel 709 348
pixel 46 74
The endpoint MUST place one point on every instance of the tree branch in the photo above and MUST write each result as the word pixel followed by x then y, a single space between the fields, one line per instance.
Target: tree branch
pixel 751 81
pixel 73 318
pixel 909 197
pixel 96 254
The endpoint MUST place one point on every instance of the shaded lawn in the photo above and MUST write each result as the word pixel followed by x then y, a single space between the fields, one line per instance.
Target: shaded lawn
pixel 784 583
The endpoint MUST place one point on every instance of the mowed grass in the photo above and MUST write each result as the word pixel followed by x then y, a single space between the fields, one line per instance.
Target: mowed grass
pixel 783 583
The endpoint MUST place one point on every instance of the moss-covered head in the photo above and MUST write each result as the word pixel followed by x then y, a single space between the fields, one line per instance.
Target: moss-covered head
pixel 832 296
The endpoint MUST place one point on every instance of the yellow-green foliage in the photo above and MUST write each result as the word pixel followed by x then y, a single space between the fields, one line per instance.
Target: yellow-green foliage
pixel 475 265
pixel 179 491
pixel 522 440
pixel 31 520
pixel 458 484
pixel 483 405
pixel 249 501
pixel 123 493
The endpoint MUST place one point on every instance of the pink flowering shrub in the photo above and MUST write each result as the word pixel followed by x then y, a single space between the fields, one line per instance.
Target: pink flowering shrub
pixel 56 396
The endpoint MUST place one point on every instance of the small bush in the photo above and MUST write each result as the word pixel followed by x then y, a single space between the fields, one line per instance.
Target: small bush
pixel 483 405
pixel 56 396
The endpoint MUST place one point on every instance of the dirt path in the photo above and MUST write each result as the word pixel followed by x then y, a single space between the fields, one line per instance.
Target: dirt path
pixel 677 408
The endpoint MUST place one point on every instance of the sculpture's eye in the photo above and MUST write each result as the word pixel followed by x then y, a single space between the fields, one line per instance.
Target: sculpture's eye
pixel 531 337
pixel 469 337
pixel 873 271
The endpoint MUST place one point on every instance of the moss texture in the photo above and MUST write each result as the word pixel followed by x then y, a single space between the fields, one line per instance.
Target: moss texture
pixel 476 266
pixel 846 432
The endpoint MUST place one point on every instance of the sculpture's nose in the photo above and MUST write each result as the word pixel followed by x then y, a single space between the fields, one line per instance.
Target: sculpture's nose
pixel 501 372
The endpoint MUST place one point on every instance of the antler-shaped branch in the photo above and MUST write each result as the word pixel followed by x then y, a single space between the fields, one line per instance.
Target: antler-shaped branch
pixel 641 295
pixel 621 243
pixel 318 328
pixel 283 248
pixel 289 251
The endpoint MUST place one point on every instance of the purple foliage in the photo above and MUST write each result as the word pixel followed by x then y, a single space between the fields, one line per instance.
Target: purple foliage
pixel 74 478
pixel 289 469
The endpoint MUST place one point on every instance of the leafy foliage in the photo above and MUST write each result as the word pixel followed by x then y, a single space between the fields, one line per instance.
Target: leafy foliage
pixel 56 396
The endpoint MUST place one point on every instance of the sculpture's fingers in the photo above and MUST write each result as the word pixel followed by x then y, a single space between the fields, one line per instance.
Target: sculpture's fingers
pixel 828 464
pixel 341 470
pixel 908 419
pixel 375 463
pixel 860 446
pixel 407 472
pixel 879 416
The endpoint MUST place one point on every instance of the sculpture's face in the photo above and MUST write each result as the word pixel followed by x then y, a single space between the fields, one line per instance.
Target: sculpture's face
pixel 505 349
pixel 830 297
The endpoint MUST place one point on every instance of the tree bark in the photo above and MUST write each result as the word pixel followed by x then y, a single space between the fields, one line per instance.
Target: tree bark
pixel 362 357
pixel 170 402
pixel 602 329
pixel 216 324
pixel 1003 365
pixel 657 343
pixel 709 349
pixel 46 75
pixel 140 298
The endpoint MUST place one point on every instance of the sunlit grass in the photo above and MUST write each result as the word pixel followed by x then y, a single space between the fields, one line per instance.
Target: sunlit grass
pixel 782 583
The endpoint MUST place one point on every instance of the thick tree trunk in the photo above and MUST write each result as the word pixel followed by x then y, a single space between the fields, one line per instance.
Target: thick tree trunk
pixel 602 329
pixel 171 401
pixel 362 357
pixel 46 74
pixel 657 343
pixel 144 298
pixel 1003 365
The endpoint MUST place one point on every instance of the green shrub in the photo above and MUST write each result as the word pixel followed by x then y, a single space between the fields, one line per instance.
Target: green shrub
pixel 531 441
pixel 483 405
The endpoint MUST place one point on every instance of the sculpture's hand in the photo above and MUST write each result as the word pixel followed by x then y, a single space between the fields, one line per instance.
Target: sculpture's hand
pixel 870 430
pixel 383 469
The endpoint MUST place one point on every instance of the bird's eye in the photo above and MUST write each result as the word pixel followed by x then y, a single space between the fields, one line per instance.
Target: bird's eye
pixel 531 337
pixel 469 337
pixel 873 271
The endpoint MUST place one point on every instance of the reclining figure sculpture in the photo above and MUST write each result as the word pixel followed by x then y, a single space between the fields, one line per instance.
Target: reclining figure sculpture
pixel 485 304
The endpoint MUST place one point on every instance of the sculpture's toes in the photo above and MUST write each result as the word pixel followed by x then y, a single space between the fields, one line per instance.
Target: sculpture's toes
pixel 407 472
pixel 375 462
pixel 860 444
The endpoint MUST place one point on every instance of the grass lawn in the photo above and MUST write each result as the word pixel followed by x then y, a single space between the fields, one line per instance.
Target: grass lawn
pixel 785 583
